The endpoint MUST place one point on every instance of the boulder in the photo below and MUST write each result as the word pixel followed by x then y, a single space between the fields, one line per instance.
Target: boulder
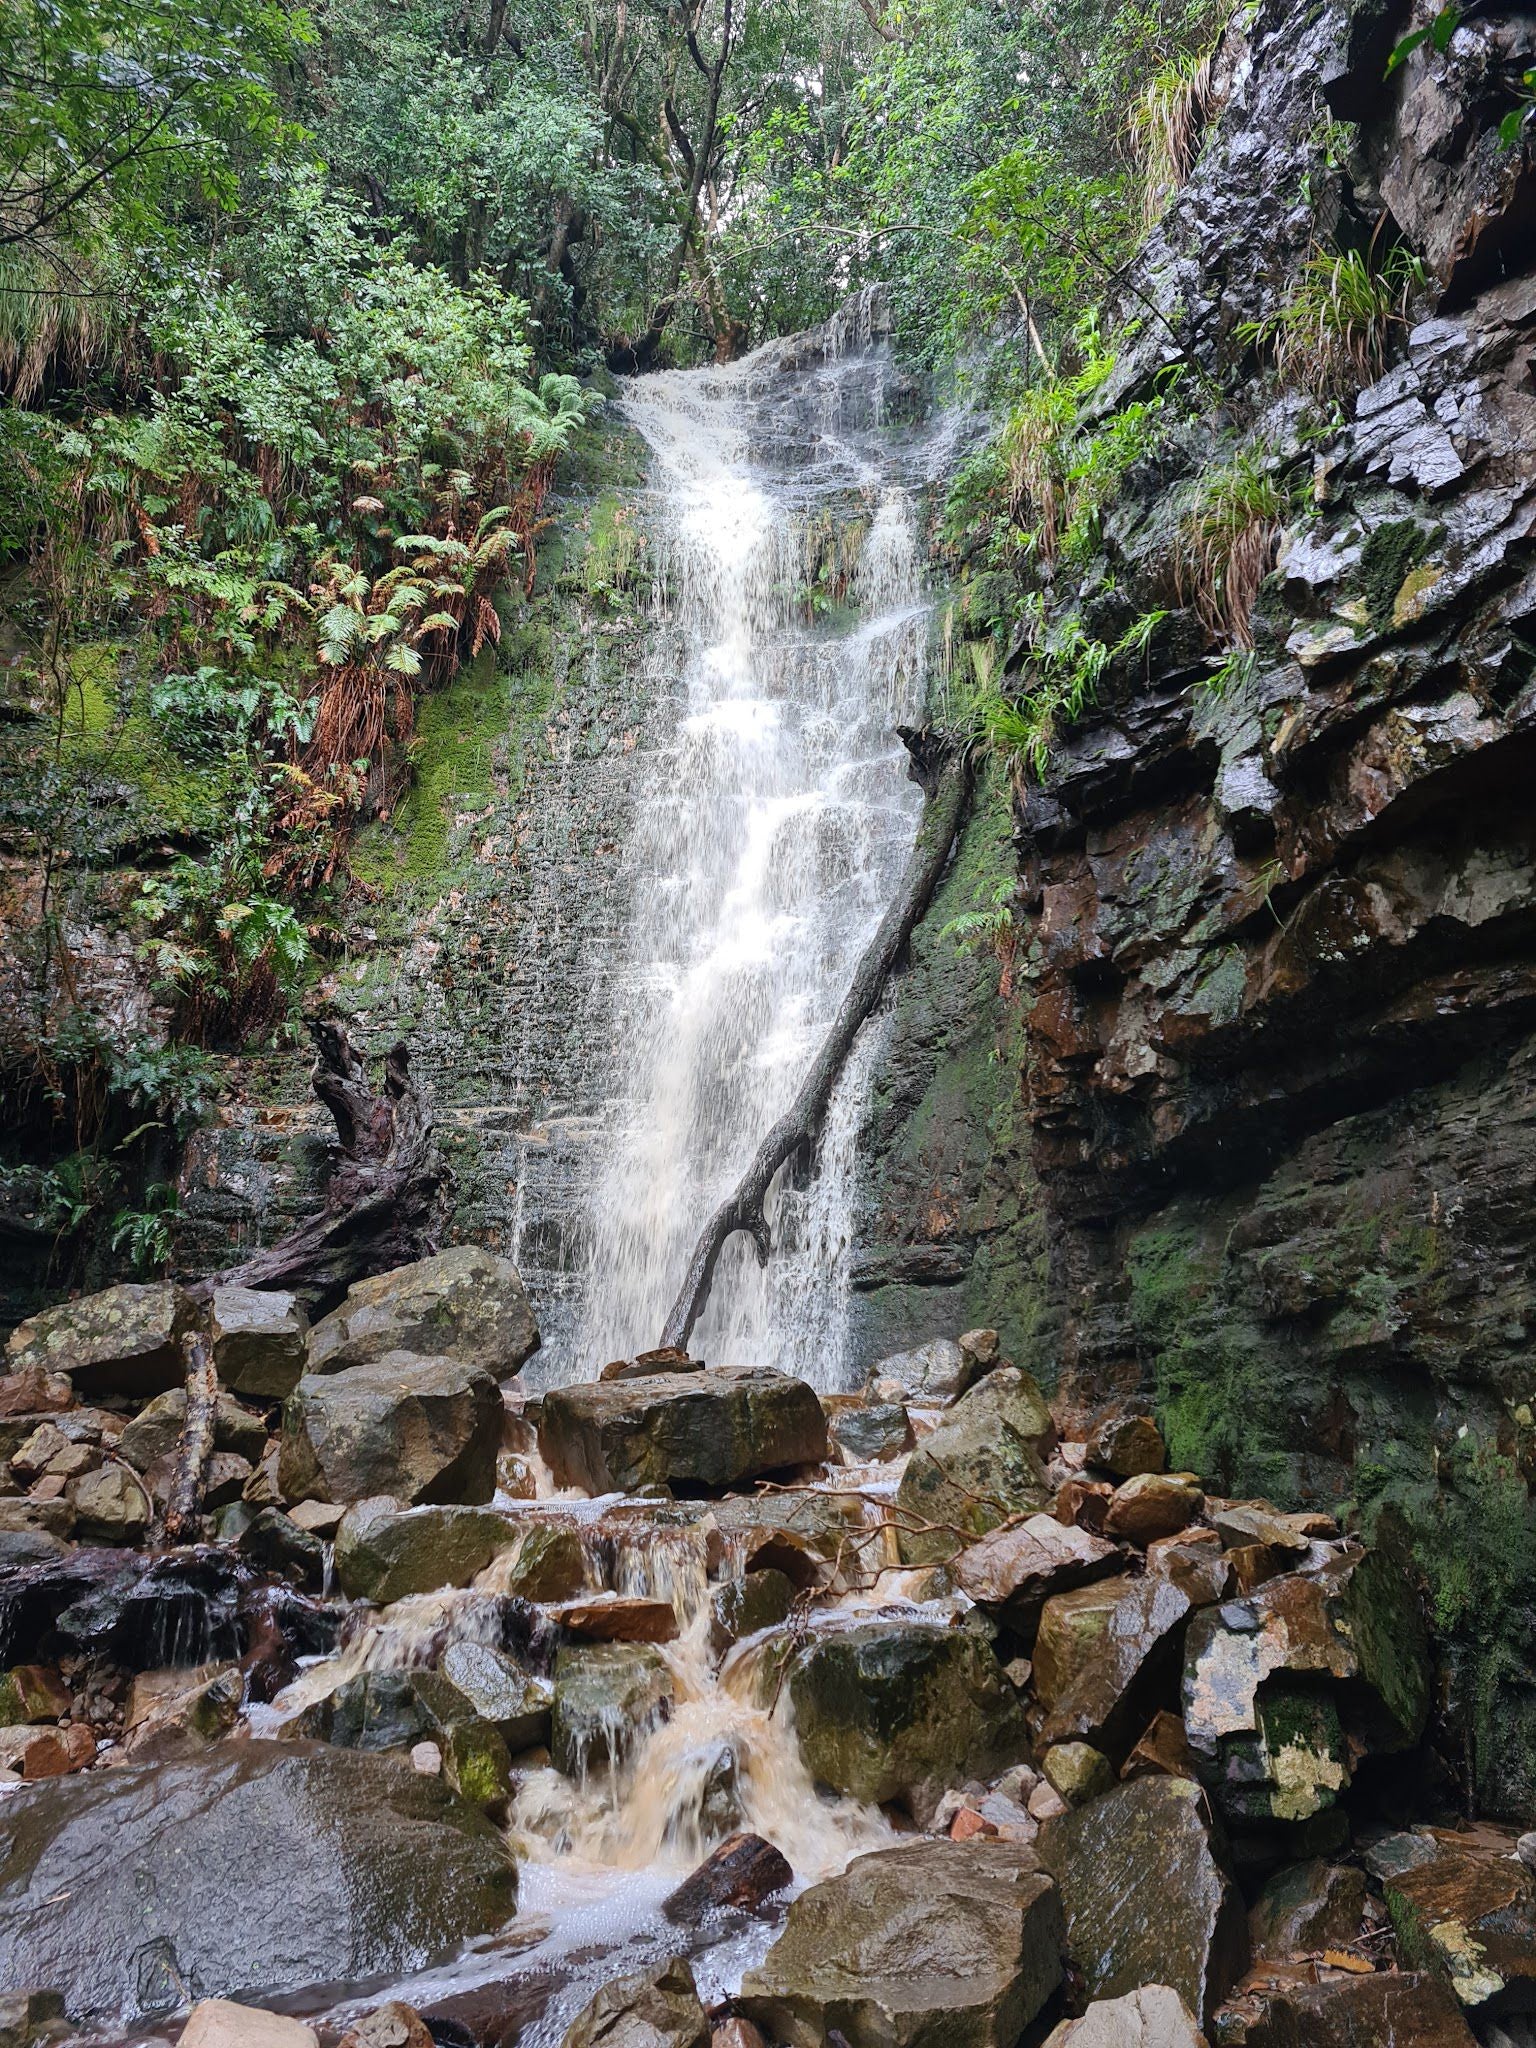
pixel 422 1429
pixel 605 1698
pixel 1305 1908
pixel 125 1340
pixel 1077 1771
pixel 1153 1504
pixel 464 1303
pixel 1273 1736
pixel 1125 1444
pixel 1013 1572
pixel 617 1618
pixel 1102 1664
pixel 155 1432
pixel 32 2019
pixel 176 1712
pixel 264 1866
pixel 871 1434
pixel 218 2023
pixel 1406 2010
pixel 1464 1905
pixel 744 1605
pixel 1154 2017
pixel 377 1710
pixel 1146 1893
pixel 899 1707
pixel 545 1561
pixel 384 1552
pixel 32 1692
pixel 932 1943
pixel 499 1691
pixel 932 1376
pixel 111 1506
pixel 257 1341
pixel 34 1390
pixel 652 2009
pixel 981 1466
pixel 704 1429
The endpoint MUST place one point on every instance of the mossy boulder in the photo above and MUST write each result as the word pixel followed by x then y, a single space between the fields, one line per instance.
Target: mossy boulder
pixel 512 1700
pixel 464 1303
pixel 606 1698
pixel 698 1430
pixel 421 1429
pixel 260 1867
pixel 384 1551
pixel 933 1943
pixel 896 1708
pixel 977 1469
pixel 125 1340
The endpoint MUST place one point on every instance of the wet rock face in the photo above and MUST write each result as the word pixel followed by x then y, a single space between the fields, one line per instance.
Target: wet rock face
pixel 422 1429
pixel 943 1941
pixel 384 1552
pixel 1464 1906
pixel 264 1867
pixel 463 1303
pixel 1146 1895
pixel 690 1430
pixel 894 1708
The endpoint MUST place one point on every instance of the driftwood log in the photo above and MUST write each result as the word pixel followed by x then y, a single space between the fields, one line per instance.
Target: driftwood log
pixel 942 770
pixel 384 1200
pixel 196 1445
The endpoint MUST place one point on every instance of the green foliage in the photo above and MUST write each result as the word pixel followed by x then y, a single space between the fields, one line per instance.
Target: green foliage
pixel 1064 671
pixel 1228 537
pixel 1332 333
pixel 144 1235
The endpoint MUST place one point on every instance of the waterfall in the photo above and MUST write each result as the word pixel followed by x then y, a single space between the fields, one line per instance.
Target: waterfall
pixel 790 633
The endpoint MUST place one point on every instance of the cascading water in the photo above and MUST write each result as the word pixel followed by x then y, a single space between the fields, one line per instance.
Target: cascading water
pixel 791 616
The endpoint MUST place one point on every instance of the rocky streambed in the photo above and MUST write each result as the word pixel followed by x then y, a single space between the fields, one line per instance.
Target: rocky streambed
pixel 688 1709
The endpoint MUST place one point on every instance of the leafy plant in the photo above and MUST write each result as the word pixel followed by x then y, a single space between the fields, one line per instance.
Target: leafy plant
pixel 1166 124
pixel 1331 335
pixel 147 1233
pixel 1227 543
pixel 1064 674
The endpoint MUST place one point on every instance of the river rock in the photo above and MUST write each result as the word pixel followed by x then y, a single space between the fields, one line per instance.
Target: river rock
pixel 175 1712
pixel 1305 1908
pixel 895 1707
pixel 125 1340
pixel 218 2023
pixel 651 2009
pixel 933 1943
pixel 617 1618
pixel 1466 1905
pixel 32 2019
pixel 395 2025
pixel 742 1606
pixel 1271 1739
pixel 111 1506
pixel 605 1698
pixel 1146 1893
pixel 1154 2017
pixel 545 1561
pixel 1077 1771
pixel 930 1377
pixel 1406 2010
pixel 1153 1504
pixel 1013 1572
pixel 264 1866
pixel 981 1466
pixel 256 1339
pixel 492 1686
pixel 156 1430
pixel 1126 1444
pixel 872 1433
pixel 384 1552
pixel 464 1303
pixel 1101 1666
pixel 705 1429
pixel 32 1692
pixel 422 1429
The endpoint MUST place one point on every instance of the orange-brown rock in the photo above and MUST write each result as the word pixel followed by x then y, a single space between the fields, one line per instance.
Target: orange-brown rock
pixel 1015 1571
pixel 618 1618
pixel 1153 1504
pixel 1083 1503
pixel 1163 1748
pixel 1126 1444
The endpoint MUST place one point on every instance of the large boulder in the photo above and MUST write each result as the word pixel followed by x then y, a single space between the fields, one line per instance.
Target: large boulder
pixel 934 1945
pixel 1464 1906
pixel 1102 1685
pixel 1282 1689
pixel 698 1429
pixel 384 1551
pixel 1307 1907
pixel 422 1429
pixel 464 1303
pixel 260 1868
pixel 125 1340
pixel 652 2009
pixel 1146 1893
pixel 980 1467
pixel 896 1707
pixel 257 1341
pixel 1013 1572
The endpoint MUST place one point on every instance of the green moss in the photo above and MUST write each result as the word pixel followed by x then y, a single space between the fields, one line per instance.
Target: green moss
pixel 110 738
pixel 1391 550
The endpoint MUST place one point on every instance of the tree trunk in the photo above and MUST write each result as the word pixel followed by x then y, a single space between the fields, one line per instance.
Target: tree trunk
pixel 945 777
pixel 196 1445
pixel 383 1203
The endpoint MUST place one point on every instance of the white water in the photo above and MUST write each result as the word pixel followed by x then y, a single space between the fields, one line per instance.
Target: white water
pixel 769 842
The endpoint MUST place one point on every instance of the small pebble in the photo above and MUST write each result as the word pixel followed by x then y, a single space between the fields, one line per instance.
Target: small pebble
pixel 427 1758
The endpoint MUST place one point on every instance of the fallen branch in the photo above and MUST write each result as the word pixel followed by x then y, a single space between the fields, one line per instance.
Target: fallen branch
pixel 944 776
pixel 196 1445
pixel 383 1202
